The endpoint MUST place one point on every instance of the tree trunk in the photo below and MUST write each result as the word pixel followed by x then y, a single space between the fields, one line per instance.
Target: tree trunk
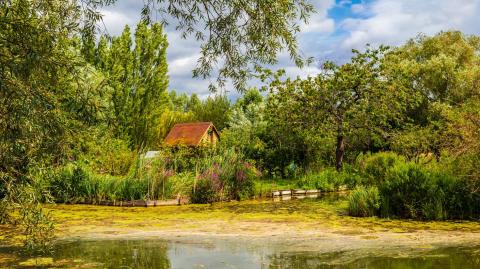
pixel 340 152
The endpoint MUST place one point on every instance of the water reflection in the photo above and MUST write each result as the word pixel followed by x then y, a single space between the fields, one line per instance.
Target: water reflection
pixel 234 254
pixel 462 258
pixel 116 254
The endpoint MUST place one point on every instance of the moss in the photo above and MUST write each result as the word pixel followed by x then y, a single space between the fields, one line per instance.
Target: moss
pixel 256 217
pixel 37 262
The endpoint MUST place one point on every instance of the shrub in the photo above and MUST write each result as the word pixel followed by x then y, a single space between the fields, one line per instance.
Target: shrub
pixel 107 155
pixel 228 173
pixel 66 182
pixel 364 202
pixel 411 191
pixel 244 181
pixel 461 202
pixel 375 167
pixel 204 192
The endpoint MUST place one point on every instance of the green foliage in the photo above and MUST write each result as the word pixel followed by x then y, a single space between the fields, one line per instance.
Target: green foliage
pixel 228 173
pixel 375 167
pixel 151 82
pixel 241 36
pixel 105 154
pixel 364 202
pixel 38 228
pixel 176 172
pixel 411 191
pixel 148 181
pixel 329 179
pixel 47 94
pixel 214 109
pixel 247 127
pixel 441 68
pixel 204 192
pixel 138 78
pixel 345 103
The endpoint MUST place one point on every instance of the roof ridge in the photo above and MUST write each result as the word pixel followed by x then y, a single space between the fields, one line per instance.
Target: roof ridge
pixel 195 123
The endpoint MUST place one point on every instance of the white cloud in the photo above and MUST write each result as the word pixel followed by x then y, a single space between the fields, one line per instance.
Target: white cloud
pixel 344 2
pixel 115 21
pixel 357 8
pixel 319 22
pixel 389 22
pixel 393 22
pixel 182 65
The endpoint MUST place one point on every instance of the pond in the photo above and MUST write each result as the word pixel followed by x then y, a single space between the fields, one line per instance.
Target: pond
pixel 234 253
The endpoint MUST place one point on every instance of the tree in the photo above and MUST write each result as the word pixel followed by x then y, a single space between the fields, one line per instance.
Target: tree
pixel 344 101
pixel 138 76
pixel 193 103
pixel 215 109
pixel 443 68
pixel 246 126
pixel 440 73
pixel 240 34
pixel 46 94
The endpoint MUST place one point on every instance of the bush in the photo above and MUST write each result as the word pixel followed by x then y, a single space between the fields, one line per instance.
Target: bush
pixel 105 154
pixel 66 182
pixel 411 191
pixel 204 192
pixel 375 167
pixel 364 202
pixel 228 173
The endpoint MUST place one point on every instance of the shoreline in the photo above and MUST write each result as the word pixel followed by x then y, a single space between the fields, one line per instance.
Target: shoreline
pixel 310 225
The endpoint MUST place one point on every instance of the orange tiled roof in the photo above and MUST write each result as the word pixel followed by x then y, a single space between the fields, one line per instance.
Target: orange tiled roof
pixel 189 134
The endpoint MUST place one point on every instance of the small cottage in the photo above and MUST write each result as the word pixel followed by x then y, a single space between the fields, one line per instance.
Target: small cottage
pixel 193 134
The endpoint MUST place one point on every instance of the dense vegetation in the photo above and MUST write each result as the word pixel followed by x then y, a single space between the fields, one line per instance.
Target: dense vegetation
pixel 400 126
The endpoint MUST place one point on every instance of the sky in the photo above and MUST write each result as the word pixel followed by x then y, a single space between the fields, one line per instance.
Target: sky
pixel 333 31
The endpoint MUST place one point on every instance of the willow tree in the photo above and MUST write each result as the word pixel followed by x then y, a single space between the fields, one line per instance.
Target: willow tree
pixel 236 36
pixel 442 72
pixel 45 91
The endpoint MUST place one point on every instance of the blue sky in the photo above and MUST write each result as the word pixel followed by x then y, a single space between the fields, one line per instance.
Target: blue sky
pixel 334 30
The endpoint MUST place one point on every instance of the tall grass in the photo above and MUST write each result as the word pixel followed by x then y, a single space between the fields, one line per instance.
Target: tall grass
pixel 375 167
pixel 329 179
pixel 413 190
pixel 222 174
pixel 77 183
pixel 364 202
